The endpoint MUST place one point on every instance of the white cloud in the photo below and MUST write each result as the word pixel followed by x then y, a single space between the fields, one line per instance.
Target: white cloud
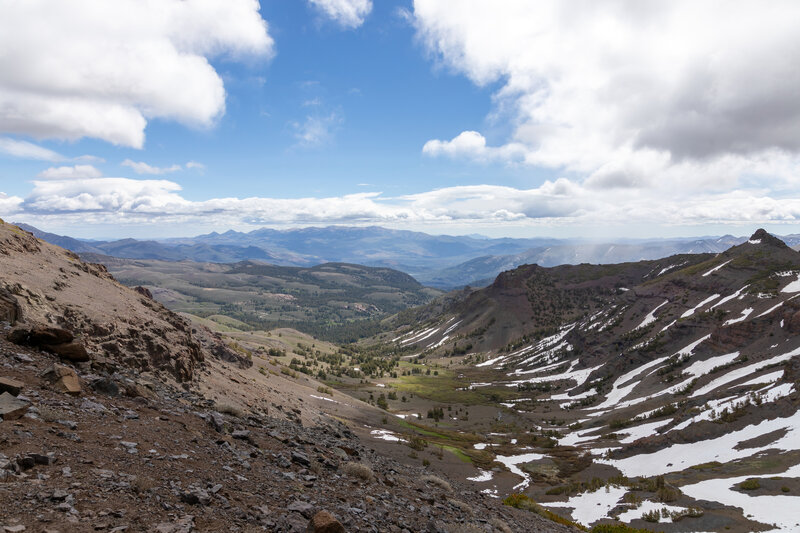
pixel 141 167
pixel 347 13
pixel 93 68
pixel 316 129
pixel 559 203
pixel 9 205
pixel 629 93
pixel 67 172
pixel 89 159
pixel 26 150
pixel 195 165
pixel 472 145
pixel 109 197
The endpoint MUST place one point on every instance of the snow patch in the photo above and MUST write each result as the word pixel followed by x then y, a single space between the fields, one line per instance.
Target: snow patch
pixel 716 268
pixel 793 286
pixel 483 476
pixel 511 462
pixel 385 434
pixel 708 300
pixel 742 318
pixel 743 372
pixel 590 507
pixel 651 317
pixel 778 510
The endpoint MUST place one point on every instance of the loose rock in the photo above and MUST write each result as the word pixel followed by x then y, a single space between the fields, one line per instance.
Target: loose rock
pixel 324 522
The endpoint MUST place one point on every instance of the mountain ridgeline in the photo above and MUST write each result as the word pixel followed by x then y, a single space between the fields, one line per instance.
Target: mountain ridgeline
pixel 684 370
pixel 440 261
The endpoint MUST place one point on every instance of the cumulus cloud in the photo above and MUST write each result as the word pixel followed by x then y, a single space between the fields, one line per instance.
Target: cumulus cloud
pixel 141 167
pixel 558 203
pixel 27 150
pixel 349 14
pixel 93 68
pixel 472 145
pixel 628 93
pixel 9 205
pixel 67 172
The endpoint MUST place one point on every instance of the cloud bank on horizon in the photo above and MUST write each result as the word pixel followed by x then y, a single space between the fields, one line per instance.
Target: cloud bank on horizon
pixel 662 113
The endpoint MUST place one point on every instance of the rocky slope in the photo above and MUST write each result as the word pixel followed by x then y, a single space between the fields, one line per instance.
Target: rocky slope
pixel 672 383
pixel 160 427
pixel 43 286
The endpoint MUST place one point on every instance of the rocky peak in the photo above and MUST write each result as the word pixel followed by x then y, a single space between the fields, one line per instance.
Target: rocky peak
pixel 762 237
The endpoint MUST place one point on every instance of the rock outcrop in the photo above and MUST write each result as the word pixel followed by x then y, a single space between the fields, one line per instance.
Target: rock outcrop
pixel 78 311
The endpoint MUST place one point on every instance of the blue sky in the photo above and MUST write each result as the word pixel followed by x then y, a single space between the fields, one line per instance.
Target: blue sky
pixel 504 118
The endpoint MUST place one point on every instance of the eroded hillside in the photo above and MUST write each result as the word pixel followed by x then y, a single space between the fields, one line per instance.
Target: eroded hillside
pixel 668 384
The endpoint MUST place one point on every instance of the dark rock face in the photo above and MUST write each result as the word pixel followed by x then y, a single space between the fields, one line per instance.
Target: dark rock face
pixel 144 291
pixel 52 339
pixel 766 238
pixel 71 351
pixel 793 323
pixel 39 336
pixel 9 308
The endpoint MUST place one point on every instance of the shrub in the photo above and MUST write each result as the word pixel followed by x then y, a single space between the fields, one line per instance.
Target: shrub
pixel 785 489
pixel 668 494
pixel 617 528
pixel 415 442
pixel 461 506
pixel 439 482
pixel 522 501
pixel 499 525
pixel 691 512
pixel 750 484
pixel 229 409
pixel 358 470
pixel 141 484
pixel 51 414
pixel 382 403
pixel 652 516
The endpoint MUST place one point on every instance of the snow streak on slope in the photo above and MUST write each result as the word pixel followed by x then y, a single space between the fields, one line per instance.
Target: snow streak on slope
pixel 746 313
pixel 743 372
pixel 716 268
pixel 722 449
pixel 793 286
pixel 651 317
pixel 708 300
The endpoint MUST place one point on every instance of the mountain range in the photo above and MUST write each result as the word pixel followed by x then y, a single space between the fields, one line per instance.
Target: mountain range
pixel 439 261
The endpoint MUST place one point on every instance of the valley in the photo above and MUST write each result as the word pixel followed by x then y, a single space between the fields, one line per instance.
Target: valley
pixel 649 392
pixel 656 395
pixel 334 301
pixel 404 266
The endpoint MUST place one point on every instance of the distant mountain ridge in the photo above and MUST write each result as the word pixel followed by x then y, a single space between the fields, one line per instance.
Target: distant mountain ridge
pixel 440 261
pixel 335 301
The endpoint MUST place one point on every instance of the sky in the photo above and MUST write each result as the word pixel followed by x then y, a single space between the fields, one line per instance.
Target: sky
pixel 562 118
